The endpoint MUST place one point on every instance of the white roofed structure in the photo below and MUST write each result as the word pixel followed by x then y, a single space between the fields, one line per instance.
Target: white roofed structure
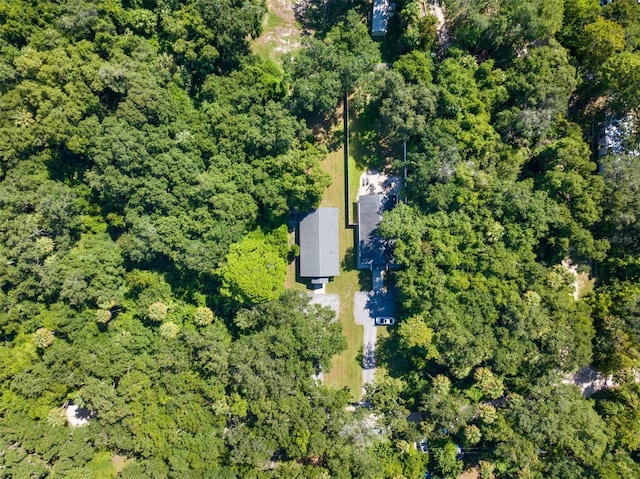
pixel 382 11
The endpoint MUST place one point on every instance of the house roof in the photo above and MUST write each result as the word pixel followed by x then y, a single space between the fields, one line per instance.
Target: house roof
pixel 371 248
pixel 381 13
pixel 319 247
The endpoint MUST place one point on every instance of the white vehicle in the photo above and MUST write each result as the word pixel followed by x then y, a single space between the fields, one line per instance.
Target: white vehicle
pixel 385 321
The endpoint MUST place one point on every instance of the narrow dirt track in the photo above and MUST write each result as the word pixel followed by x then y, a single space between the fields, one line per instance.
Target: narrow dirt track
pixel 434 8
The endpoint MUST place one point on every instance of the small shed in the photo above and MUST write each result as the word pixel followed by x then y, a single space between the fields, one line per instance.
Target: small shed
pixel 319 245
pixel 382 10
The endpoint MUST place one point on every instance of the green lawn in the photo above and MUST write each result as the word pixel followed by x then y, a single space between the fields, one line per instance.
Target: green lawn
pixel 345 371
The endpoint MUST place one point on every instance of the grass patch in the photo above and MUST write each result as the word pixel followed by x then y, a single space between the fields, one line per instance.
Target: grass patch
pixel 365 145
pixel 280 31
pixel 345 372
pixel 345 369
pixel 584 284
pixel 264 49
pixel 273 21
pixel 388 356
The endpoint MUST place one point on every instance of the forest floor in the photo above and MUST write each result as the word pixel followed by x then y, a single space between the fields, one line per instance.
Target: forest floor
pixel 582 283
pixel 281 31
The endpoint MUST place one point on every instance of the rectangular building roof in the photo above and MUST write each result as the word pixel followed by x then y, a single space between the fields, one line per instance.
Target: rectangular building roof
pixel 371 249
pixel 381 13
pixel 319 246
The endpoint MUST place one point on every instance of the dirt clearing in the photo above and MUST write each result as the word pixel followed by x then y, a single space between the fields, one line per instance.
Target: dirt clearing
pixel 280 31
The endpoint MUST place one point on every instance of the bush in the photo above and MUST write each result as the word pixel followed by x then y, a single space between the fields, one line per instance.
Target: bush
pixel 157 311
pixel 202 316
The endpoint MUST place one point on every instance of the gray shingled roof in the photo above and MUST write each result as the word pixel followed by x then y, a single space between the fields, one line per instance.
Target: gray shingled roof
pixel 319 248
pixel 371 249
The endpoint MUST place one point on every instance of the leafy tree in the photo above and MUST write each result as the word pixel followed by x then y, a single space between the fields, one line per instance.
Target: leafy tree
pixel 619 75
pixel 415 67
pixel 446 460
pixel 253 258
pixel 599 41
pixel 335 63
pixel 558 421
pixel 616 316
pixel 384 395
pixel 619 224
pixel 618 408
pixel 504 26
pixel 169 330
pixel 405 109
pixel 43 338
pixel 157 311
pixel 544 79
pixel 577 14
pixel 420 31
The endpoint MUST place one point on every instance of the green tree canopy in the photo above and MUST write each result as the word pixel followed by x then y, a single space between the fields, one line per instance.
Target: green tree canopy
pixel 253 272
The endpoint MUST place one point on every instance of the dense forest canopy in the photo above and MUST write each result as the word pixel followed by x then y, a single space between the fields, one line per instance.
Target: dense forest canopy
pixel 150 164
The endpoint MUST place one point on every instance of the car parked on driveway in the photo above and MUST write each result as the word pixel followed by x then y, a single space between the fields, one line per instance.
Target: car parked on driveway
pixel 422 446
pixel 385 321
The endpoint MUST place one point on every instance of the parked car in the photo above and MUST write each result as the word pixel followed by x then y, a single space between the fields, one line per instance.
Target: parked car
pixel 422 446
pixel 385 321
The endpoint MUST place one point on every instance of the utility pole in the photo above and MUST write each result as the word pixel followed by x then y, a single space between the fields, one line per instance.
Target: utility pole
pixel 404 160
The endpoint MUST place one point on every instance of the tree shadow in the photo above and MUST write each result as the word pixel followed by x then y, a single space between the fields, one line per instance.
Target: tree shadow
pixel 365 279
pixel 379 304
pixel 366 147
pixel 366 357
pixel 335 139
pixel 389 355
pixel 349 260
pixel 322 126
pixel 392 45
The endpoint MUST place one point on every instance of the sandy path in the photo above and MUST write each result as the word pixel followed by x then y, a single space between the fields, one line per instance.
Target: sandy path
pixel 435 9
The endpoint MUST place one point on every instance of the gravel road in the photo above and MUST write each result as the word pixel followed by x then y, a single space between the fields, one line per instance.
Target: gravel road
pixel 362 316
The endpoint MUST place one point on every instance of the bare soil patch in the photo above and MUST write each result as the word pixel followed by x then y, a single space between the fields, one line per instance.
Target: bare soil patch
pixel 281 31
pixel 470 474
